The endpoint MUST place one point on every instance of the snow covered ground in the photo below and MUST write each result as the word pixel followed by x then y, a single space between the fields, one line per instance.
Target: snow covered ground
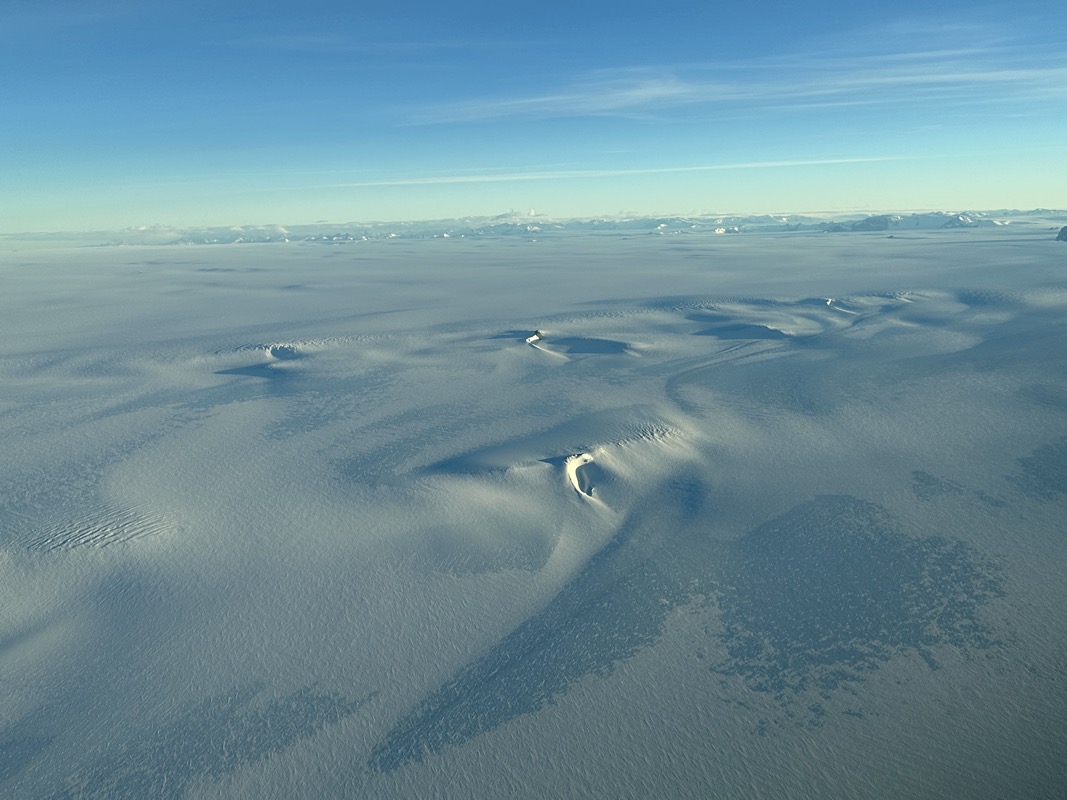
pixel 774 515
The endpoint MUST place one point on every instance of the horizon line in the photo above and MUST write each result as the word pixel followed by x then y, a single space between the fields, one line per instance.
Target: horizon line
pixel 517 216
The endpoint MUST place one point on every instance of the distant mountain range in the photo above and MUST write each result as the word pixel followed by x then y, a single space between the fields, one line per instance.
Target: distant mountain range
pixel 539 227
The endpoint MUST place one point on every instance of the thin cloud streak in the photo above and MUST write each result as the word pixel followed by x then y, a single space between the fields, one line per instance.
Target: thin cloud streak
pixel 603 173
pixel 947 75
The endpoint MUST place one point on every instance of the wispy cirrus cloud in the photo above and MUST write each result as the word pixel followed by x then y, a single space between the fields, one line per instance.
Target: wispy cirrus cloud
pixel 480 176
pixel 985 73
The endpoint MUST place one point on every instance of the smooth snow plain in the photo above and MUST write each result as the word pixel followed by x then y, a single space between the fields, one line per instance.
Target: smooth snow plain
pixel 775 515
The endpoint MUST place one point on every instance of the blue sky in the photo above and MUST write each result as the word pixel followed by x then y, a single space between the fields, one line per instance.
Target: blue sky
pixel 131 112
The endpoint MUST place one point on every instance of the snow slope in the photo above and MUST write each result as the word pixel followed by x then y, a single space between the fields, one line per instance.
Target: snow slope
pixel 777 516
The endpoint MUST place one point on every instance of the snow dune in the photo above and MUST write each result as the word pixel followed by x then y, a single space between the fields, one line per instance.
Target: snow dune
pixel 777 514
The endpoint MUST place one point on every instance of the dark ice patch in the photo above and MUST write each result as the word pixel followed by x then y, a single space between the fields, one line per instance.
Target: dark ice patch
pixel 1044 394
pixel 985 298
pixel 929 487
pixel 809 601
pixel 833 588
pixel 16 754
pixel 1043 472
pixel 615 607
pixel 207 741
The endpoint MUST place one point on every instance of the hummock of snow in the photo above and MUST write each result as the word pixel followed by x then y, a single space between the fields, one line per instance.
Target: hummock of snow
pixel 776 515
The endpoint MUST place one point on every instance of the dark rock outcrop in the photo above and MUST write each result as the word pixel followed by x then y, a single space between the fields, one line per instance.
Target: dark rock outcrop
pixel 1063 234
pixel 871 224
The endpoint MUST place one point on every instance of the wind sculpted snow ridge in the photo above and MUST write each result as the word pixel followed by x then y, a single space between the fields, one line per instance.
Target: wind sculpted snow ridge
pixel 101 529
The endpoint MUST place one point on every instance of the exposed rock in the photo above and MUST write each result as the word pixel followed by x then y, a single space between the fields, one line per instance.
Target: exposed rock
pixel 1063 234
pixel 880 223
